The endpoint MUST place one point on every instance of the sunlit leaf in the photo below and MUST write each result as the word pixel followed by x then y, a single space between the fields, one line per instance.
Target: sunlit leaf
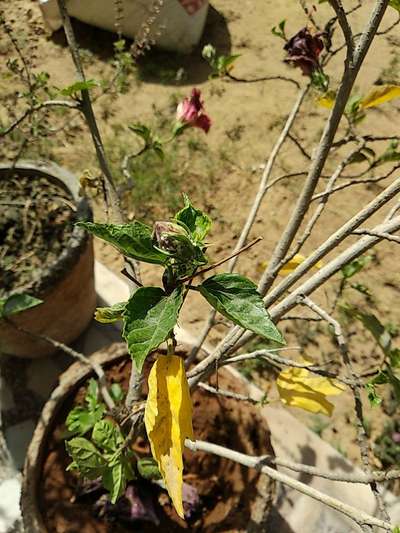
pixel 133 240
pixel 168 420
pixel 236 298
pixel 86 457
pixel 379 95
pixel 16 303
pixel 327 100
pixel 108 315
pixel 355 266
pixel 197 223
pixel 78 87
pixel 300 388
pixel 396 5
pixel 291 265
pixel 149 317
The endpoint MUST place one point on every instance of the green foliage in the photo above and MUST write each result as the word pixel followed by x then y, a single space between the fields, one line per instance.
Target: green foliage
pixel 197 223
pixel 355 266
pixel 279 30
pixel 148 469
pixel 151 141
pixel 387 445
pixel 124 65
pixel 132 240
pixel 236 298
pixel 116 393
pixel 16 303
pixel 395 4
pixel 81 419
pixel 390 155
pixel 221 65
pixel 149 317
pixel 79 86
pixel 109 315
pixel 103 456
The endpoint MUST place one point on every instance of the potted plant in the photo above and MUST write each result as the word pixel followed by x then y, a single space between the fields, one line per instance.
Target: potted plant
pixel 46 259
pixel 216 493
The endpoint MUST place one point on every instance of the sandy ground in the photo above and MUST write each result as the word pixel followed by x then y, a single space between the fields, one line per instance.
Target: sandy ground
pixel 221 171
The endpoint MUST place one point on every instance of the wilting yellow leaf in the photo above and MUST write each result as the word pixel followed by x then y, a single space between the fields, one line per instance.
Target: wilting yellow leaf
pixel 290 265
pixel 300 388
pixel 168 421
pixel 327 100
pixel 380 95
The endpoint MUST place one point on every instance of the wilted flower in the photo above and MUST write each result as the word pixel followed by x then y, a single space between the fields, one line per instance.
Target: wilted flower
pixel 190 113
pixel 304 50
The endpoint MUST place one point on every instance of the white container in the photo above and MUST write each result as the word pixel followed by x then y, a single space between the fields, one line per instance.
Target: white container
pixel 178 26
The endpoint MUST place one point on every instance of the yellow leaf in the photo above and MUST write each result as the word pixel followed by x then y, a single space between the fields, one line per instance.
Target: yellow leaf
pixel 327 100
pixel 380 95
pixel 290 265
pixel 298 387
pixel 168 421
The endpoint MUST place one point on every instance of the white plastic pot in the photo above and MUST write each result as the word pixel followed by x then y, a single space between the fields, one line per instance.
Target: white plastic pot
pixel 178 26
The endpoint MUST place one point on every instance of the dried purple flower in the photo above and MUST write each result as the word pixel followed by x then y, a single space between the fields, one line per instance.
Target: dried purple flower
pixel 303 51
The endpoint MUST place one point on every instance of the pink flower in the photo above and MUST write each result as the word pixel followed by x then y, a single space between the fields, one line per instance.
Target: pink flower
pixel 190 113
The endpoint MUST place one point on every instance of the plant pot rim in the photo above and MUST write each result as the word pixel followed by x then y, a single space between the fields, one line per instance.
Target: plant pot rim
pixel 77 243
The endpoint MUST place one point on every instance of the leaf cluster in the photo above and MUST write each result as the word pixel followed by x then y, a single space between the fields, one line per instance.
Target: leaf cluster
pixel 179 247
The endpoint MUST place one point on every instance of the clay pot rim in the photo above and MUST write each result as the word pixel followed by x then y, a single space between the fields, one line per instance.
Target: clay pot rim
pixel 77 243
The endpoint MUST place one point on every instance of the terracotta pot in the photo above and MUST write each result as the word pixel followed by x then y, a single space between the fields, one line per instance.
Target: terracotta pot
pixel 261 488
pixel 66 287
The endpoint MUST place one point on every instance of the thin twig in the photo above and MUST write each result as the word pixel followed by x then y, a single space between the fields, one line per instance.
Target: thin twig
pixel 228 394
pixel 219 263
pixel 360 517
pixel 352 67
pixel 97 369
pixel 362 434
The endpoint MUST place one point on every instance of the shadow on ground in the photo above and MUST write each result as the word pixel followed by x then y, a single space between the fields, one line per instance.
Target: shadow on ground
pixel 157 66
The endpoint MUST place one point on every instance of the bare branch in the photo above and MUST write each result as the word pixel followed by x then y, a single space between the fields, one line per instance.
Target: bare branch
pixel 228 394
pixel 30 110
pixel 360 517
pixel 386 236
pixel 262 189
pixel 322 152
pixel 362 434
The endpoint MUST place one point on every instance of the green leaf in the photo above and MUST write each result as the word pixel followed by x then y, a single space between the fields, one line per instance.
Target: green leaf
pixel 116 476
pixel 374 326
pixel 108 315
pixel 92 394
pixel 279 31
pixel 149 317
pixel 396 5
pixel 142 131
pixel 86 457
pixel 361 288
pixel 78 87
pixel 116 392
pixel 107 436
pixel 133 240
pixel 396 529
pixel 373 397
pixel 148 468
pixel 236 298
pixel 17 303
pixel 114 481
pixel 355 266
pixel 197 222
pixel 80 420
